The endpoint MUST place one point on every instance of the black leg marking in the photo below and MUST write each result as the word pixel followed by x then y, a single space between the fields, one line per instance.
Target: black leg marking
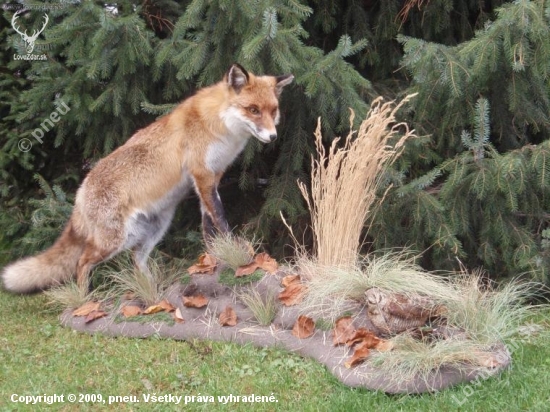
pixel 208 229
pixel 219 212
pixel 214 222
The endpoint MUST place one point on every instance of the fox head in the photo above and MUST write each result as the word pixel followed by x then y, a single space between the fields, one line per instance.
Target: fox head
pixel 253 103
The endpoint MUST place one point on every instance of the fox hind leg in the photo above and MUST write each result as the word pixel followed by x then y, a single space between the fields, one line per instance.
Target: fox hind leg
pixel 91 256
pixel 150 230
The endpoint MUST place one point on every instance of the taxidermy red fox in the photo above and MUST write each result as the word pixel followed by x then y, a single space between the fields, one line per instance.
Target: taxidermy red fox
pixel 128 199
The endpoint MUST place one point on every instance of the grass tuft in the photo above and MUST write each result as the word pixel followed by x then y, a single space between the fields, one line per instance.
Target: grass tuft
pixel 332 289
pixel 264 308
pixel 233 250
pixel 489 313
pixel 413 359
pixel 68 296
pixel 150 287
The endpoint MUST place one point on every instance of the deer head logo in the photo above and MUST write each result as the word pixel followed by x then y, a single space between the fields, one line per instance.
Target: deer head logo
pixel 26 38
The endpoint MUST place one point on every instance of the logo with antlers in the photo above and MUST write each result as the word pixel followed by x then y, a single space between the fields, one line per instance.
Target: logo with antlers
pixel 29 40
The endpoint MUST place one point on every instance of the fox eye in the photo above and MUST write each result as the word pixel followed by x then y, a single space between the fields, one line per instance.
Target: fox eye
pixel 254 110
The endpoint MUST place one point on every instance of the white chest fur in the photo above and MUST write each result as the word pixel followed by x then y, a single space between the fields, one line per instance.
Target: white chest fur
pixel 223 152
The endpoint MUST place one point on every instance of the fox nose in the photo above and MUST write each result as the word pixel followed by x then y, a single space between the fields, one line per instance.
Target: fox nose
pixel 272 137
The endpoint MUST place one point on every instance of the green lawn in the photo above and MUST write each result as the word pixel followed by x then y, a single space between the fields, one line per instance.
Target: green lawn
pixel 39 357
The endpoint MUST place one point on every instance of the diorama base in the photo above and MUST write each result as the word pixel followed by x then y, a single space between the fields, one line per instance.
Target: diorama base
pixel 202 323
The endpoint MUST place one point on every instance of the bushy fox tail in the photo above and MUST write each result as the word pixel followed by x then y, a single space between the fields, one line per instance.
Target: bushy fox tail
pixel 49 268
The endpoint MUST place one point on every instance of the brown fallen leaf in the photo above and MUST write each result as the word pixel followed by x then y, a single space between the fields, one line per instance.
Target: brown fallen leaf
pixel 153 309
pixel 228 317
pixel 266 262
pixel 290 279
pixel 304 327
pixel 363 335
pixel 359 355
pixel 206 264
pixel 293 294
pixel 261 261
pixel 167 306
pixel 178 317
pixel 196 301
pixel 246 270
pixel 86 309
pixel 93 315
pixel 343 331
pixel 129 311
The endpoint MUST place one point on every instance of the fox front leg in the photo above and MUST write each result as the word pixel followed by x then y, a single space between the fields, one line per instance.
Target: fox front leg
pixel 213 214
pixel 216 222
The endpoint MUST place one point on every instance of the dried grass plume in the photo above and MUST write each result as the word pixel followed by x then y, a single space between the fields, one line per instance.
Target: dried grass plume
pixel 345 178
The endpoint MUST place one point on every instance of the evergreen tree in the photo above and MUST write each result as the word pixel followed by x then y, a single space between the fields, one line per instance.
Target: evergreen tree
pixel 486 200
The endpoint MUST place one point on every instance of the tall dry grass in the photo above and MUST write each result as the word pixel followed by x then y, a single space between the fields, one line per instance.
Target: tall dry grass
pixel 345 179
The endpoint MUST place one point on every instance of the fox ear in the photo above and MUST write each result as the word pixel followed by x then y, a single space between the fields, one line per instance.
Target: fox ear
pixel 237 77
pixel 282 81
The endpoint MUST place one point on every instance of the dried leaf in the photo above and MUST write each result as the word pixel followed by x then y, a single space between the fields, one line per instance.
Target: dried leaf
pixel 246 270
pixel 131 310
pixel 304 327
pixel 359 355
pixel 293 294
pixel 343 331
pixel 266 262
pixel 228 317
pixel 167 306
pixel 153 309
pixel 178 317
pixel 289 280
pixel 196 301
pixel 205 264
pixel 86 309
pixel 93 315
pixel 363 335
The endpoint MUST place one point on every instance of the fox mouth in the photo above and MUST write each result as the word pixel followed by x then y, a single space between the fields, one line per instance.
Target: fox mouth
pixel 262 135
pixel 256 133
pixel 261 139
